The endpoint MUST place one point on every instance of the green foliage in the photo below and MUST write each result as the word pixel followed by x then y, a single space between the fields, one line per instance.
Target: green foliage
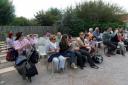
pixel 49 17
pixel 54 13
pixel 6 12
pixel 71 24
pixel 20 21
pixel 92 14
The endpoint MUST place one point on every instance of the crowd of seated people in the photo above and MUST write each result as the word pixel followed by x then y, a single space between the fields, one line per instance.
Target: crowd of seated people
pixel 114 40
pixel 78 50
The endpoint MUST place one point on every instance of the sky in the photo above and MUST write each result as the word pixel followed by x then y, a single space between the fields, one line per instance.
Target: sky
pixel 27 8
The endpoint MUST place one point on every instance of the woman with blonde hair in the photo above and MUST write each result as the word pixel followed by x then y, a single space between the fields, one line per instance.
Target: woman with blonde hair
pixel 57 59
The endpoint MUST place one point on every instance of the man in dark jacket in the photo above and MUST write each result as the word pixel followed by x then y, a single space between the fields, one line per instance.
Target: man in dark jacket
pixel 107 36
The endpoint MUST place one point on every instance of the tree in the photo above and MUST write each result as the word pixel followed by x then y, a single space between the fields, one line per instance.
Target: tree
pixel 92 14
pixel 98 12
pixel 54 13
pixel 21 21
pixel 71 24
pixel 43 19
pixel 48 18
pixel 6 12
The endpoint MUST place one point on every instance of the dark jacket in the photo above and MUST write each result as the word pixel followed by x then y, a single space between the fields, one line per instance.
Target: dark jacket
pixel 63 47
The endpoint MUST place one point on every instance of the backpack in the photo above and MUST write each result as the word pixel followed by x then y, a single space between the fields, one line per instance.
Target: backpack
pixel 97 59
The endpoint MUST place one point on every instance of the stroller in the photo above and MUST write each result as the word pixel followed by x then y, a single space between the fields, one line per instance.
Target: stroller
pixel 25 67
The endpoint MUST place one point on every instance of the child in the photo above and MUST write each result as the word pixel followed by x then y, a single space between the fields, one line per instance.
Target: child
pixel 86 41
pixel 93 44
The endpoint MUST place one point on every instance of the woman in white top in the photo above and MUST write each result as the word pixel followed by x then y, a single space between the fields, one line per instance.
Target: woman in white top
pixel 58 60
pixel 10 40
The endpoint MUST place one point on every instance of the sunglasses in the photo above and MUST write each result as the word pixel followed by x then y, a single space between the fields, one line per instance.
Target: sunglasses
pixel 54 39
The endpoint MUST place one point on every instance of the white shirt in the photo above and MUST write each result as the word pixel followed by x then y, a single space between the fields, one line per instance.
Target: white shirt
pixel 10 42
pixel 52 46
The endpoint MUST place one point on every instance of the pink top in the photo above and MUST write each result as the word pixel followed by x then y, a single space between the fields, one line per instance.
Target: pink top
pixel 33 41
pixel 17 45
pixel 20 45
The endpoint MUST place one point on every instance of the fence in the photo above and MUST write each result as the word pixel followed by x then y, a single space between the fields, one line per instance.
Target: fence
pixel 40 30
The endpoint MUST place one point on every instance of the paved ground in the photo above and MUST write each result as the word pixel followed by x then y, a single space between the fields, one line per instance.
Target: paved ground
pixel 113 71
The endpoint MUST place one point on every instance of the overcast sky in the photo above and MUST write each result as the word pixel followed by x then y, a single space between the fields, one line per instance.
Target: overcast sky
pixel 28 8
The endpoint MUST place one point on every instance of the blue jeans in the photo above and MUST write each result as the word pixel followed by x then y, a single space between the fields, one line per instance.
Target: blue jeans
pixel 59 62
pixel 71 55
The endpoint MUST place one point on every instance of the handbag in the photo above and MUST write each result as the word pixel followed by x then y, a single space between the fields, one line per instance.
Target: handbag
pixel 10 56
pixel 34 58
pixel 97 59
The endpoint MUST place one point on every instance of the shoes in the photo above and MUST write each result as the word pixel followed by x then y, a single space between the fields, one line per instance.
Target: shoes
pixel 61 70
pixel 74 66
pixel 95 67
pixel 113 53
pixel 108 55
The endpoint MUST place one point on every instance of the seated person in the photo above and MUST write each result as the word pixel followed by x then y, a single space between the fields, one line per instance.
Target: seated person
pixel 81 59
pixel 65 51
pixel 81 47
pixel 107 36
pixel 93 44
pixel 86 41
pixel 58 36
pixel 121 43
pixel 58 61
pixel 90 33
pixel 96 33
pixel 10 40
pixel 10 44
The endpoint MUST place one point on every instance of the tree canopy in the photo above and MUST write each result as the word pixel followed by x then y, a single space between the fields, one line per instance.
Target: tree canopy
pixel 48 18
pixel 92 14
pixel 6 12
pixel 21 21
